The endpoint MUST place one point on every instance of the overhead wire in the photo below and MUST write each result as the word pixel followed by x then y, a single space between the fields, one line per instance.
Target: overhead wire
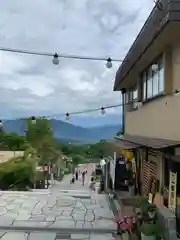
pixel 75 112
pixel 60 55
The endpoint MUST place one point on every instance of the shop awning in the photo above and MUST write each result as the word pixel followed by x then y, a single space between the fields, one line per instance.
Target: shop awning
pixel 155 143
pixel 125 144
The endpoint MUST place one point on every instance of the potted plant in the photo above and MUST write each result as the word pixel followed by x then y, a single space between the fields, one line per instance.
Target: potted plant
pixel 139 203
pixel 149 212
pixel 150 231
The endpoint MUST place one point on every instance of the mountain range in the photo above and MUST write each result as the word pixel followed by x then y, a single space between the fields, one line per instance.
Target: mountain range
pixel 68 132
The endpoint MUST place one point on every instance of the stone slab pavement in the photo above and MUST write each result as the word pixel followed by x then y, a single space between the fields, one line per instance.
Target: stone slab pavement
pixel 65 211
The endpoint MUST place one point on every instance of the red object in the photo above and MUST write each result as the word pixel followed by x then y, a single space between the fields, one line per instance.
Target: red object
pixel 125 223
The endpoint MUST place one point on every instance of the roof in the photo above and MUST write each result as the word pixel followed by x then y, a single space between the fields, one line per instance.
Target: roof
pixel 155 23
pixel 125 144
pixel 155 143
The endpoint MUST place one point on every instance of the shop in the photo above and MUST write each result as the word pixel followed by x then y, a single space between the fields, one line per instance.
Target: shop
pixel 125 167
pixel 156 173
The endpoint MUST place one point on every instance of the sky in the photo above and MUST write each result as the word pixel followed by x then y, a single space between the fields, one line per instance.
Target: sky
pixel 32 85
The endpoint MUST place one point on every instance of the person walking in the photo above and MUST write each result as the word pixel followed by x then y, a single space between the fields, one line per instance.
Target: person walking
pixel 76 173
pixel 83 177
pixel 73 178
pixel 92 184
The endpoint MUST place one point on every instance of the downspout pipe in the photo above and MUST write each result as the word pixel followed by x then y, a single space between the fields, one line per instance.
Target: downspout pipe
pixel 123 91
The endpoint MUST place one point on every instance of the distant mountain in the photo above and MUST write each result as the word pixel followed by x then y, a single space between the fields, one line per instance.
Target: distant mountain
pixel 68 132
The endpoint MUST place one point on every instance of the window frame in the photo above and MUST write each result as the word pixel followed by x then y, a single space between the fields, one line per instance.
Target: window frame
pixel 144 80
pixel 132 90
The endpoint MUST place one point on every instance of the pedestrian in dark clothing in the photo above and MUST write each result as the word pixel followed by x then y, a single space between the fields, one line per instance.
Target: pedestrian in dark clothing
pixel 76 175
pixel 73 178
pixel 83 177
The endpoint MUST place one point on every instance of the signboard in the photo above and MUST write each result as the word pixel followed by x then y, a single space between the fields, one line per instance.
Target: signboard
pixel 172 191
pixel 112 168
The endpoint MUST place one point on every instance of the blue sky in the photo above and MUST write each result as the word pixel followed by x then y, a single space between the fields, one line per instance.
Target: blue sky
pixel 32 85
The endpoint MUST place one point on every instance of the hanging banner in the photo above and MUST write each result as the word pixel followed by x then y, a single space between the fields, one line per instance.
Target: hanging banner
pixel 129 155
pixel 112 168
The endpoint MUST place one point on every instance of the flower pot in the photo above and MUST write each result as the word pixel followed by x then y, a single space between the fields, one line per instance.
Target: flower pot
pixel 144 237
pixel 150 231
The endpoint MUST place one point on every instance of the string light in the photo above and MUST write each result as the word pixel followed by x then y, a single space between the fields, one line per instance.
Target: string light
pixel 57 56
pixel 1 125
pixel 109 63
pixel 67 117
pixel 55 59
pixel 68 114
pixel 33 120
pixel 103 111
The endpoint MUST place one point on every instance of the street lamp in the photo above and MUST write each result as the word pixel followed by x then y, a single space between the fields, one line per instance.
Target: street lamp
pixel 109 63
pixel 55 59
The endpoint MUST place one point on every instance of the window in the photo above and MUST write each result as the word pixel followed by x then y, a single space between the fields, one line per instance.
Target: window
pixel 144 90
pixel 155 83
pixel 149 83
pixel 153 80
pixel 161 76
pixel 133 96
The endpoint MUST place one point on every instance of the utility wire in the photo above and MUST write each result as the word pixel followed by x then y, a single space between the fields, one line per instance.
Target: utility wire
pixel 76 112
pixel 175 93
pixel 87 110
pixel 48 54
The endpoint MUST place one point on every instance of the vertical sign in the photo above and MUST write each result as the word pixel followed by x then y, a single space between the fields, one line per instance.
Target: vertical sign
pixel 172 191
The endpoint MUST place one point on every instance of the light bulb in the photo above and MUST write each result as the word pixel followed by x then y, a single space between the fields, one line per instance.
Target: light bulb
pixel 109 63
pixel 176 93
pixel 103 111
pixel 55 59
pixel 1 125
pixel 155 67
pixel 33 120
pixel 67 117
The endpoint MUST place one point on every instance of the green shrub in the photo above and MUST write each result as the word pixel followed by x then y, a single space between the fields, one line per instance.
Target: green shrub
pixel 141 201
pixel 150 229
pixel 17 172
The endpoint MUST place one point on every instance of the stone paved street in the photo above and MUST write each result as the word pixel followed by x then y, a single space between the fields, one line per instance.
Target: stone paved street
pixel 66 211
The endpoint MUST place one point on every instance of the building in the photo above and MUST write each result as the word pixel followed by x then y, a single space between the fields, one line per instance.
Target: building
pixel 149 79
pixel 7 155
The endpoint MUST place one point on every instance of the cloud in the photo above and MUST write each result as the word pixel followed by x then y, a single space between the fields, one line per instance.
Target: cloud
pixel 32 85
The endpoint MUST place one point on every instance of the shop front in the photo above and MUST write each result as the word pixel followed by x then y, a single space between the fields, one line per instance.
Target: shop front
pixel 125 167
pixel 172 172
pixel 150 155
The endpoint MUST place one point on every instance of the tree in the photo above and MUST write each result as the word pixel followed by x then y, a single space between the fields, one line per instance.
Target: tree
pixel 120 132
pixel 77 159
pixel 39 135
pixel 39 131
pixel 13 141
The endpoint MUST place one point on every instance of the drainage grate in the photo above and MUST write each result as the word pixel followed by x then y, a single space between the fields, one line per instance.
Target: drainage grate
pixel 82 197
pixel 63 236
